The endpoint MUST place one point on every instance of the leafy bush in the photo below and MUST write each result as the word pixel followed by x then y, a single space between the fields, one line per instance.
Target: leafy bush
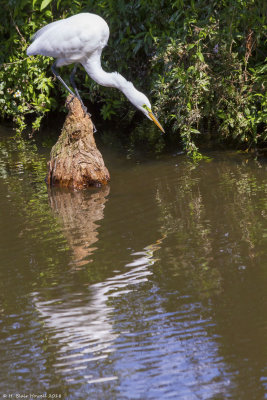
pixel 208 83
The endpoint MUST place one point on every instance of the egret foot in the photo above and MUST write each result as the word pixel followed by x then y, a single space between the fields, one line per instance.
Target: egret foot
pixel 85 109
pixel 70 101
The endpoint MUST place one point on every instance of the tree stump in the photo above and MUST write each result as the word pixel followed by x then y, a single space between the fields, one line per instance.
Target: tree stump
pixel 75 160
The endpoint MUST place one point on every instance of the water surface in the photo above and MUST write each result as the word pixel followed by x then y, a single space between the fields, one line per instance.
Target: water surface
pixel 151 288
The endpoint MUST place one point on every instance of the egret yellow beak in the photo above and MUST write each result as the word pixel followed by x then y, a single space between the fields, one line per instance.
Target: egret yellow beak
pixel 154 119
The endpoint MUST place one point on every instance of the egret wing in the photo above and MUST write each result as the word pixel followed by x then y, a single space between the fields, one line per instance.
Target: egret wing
pixel 71 39
pixel 45 29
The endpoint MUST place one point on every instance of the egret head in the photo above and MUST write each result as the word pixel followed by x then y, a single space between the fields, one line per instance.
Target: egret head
pixel 138 99
pixel 145 106
pixel 148 112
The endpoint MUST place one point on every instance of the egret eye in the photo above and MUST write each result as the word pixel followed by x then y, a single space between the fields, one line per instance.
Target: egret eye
pixel 146 108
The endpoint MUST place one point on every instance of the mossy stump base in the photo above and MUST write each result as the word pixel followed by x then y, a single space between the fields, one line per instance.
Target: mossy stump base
pixel 75 160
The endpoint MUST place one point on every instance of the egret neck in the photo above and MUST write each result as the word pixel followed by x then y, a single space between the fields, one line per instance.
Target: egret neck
pixel 110 79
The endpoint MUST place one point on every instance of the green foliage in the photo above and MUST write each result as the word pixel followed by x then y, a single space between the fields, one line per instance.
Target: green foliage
pixel 201 63
pixel 109 108
pixel 25 87
pixel 206 82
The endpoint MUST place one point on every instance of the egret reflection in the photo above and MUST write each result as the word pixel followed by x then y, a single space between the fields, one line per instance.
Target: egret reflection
pixel 80 324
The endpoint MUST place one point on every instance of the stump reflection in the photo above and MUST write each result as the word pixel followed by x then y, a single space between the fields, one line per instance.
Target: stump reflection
pixel 79 212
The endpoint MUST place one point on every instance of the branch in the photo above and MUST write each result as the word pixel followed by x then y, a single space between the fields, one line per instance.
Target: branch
pixel 17 28
pixel 14 62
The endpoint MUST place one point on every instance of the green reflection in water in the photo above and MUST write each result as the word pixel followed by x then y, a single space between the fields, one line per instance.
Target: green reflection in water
pixel 213 214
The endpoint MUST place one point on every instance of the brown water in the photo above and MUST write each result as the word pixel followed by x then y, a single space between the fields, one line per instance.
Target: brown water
pixel 151 288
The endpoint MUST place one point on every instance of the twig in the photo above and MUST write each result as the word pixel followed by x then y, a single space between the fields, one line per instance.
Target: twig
pixel 17 28
pixel 14 62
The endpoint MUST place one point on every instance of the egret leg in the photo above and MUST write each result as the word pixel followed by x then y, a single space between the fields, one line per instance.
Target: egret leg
pixel 78 94
pixel 60 79
pixel 76 90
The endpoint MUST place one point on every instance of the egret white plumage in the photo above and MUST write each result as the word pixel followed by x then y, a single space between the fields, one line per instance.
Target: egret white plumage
pixel 81 39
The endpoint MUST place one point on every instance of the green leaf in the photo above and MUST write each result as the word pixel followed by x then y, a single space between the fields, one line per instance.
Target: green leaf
pixel 191 46
pixel 200 56
pixel 44 4
pixel 192 130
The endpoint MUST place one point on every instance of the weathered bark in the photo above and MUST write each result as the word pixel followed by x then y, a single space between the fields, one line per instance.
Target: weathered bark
pixel 75 160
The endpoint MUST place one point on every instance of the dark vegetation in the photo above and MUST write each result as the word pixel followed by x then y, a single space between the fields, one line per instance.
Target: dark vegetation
pixel 202 64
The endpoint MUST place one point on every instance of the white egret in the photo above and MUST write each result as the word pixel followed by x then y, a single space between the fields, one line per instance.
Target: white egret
pixel 81 39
